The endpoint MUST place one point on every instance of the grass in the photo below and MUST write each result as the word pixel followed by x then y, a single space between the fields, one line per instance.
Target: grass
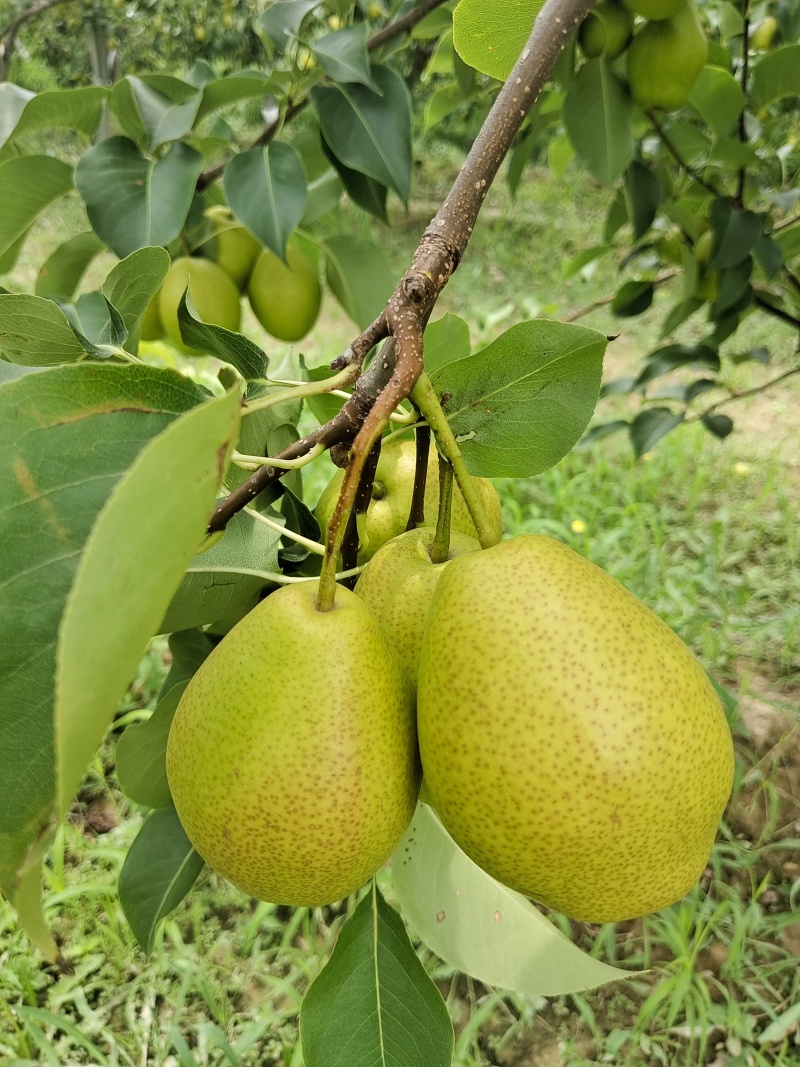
pixel 703 531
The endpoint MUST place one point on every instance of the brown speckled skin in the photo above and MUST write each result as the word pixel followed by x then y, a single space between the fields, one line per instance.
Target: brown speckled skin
pixel 387 517
pixel 571 743
pixel 398 584
pixel 292 758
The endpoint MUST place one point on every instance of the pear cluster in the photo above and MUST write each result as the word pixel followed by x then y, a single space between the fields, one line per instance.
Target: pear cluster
pixel 285 296
pixel 570 743
pixel 664 54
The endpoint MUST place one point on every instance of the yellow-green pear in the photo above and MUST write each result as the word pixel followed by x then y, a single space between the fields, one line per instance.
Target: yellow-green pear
pixel 665 60
pixel 285 297
pixel 236 251
pixel 387 515
pixel 292 757
pixel 572 745
pixel 152 327
pixel 764 33
pixel 214 294
pixel 398 583
pixel 655 10
pixel 606 30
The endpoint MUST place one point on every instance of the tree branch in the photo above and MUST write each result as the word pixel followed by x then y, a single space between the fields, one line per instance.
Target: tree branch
pixel 740 185
pixel 388 33
pixel 681 162
pixel 778 313
pixel 744 393
pixel 8 33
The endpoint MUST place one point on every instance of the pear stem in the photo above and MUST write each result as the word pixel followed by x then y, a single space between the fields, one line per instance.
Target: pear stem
pixel 327 385
pixel 425 398
pixel 440 549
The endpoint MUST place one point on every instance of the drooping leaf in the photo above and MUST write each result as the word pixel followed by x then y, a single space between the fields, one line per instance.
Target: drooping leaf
pixel 181 470
pixel 67 436
pixel 368 193
pixel 481 927
pixel 60 274
pixel 228 345
pixel 520 404
pixel 141 754
pixel 490 34
pixel 446 340
pixel 632 298
pixel 343 55
pixel 650 426
pixel 28 185
pixel 777 75
pixel 159 870
pixel 374 1004
pixel 225 581
pixel 368 132
pixel 598 115
pixel 132 202
pixel 718 98
pixel 644 197
pixel 735 234
pixel 267 192
pixel 359 277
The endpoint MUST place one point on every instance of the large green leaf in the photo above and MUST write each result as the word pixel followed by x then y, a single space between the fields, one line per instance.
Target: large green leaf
pixel 490 34
pixel 27 186
pixel 132 284
pixel 520 404
pixel 155 109
pixel 225 582
pixel 132 202
pixel 60 274
pixel 343 55
pixel 597 114
pixel 718 98
pixel 159 870
pixel 481 927
pixel 267 192
pixel 374 1005
pixel 777 75
pixel 370 132
pixel 138 566
pixel 359 276
pixel 141 754
pixel 67 437
pixel 35 331
pixel 74 109
pixel 244 85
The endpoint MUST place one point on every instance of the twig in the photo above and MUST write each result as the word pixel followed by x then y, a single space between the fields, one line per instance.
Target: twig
pixel 388 33
pixel 778 313
pixel 739 197
pixel 673 151
pixel 578 313
pixel 440 549
pixel 416 515
pixel 744 393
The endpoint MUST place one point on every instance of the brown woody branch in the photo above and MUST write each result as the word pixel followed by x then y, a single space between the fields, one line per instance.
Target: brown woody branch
pixel 744 393
pixel 439 253
pixel 388 33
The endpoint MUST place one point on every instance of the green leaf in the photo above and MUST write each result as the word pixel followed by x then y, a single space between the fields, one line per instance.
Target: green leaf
pixel 490 34
pixel 232 347
pixel 244 85
pixel 97 324
pixel 36 332
pixel 362 190
pixel 141 754
pixel 67 437
pixel 126 562
pixel 132 284
pixel 650 426
pixel 736 233
pixel 777 75
pixel 644 197
pixel 132 202
pixel 446 340
pixel 584 258
pixel 719 425
pixel 267 192
pixel 27 900
pixel 481 927
pixel 359 277
pixel 632 298
pixel 520 404
pixel 73 109
pixel 598 114
pixel 60 274
pixel 370 131
pixel 374 1004
pixel 282 20
pixel 343 56
pixel 440 104
pixel 155 109
pixel 673 357
pixel 27 186
pixel 159 870
pixel 189 649
pixel 225 582
pixel 718 98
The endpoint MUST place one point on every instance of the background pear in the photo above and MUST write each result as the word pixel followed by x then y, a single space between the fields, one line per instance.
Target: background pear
pixel 572 745
pixel 214 294
pixel 398 584
pixel 606 30
pixel 236 251
pixel 292 757
pixel 665 60
pixel 391 499
pixel 655 10
pixel 285 297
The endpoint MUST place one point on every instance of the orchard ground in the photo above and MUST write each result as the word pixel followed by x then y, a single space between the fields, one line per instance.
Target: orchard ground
pixel 705 532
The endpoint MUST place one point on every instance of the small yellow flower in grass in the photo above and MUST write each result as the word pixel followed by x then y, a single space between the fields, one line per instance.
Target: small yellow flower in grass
pixel 741 469
pixel 646 457
pixel 577 526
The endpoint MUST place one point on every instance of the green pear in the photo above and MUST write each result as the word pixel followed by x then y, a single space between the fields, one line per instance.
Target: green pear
pixel 572 745
pixel 285 297
pixel 387 515
pixel 665 60
pixel 655 10
pixel 236 251
pixel 152 327
pixel 606 30
pixel 398 583
pixel 292 757
pixel 214 294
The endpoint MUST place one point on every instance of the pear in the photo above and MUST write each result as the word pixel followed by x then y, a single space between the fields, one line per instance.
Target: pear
pixel 292 757
pixel 285 297
pixel 387 514
pixel 606 30
pixel 665 60
pixel 215 296
pixel 572 745
pixel 398 583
